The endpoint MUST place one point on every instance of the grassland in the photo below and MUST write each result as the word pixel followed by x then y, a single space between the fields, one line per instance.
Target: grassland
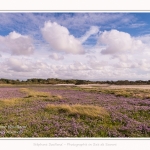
pixel 74 111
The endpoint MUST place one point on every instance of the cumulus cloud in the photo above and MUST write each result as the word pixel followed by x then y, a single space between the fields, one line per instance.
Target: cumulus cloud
pixel 93 30
pixel 39 65
pixel 60 39
pixel 18 65
pixel 55 56
pixel 144 38
pixel 119 42
pixel 91 57
pixel 78 66
pixel 16 44
pixel 25 65
pixel 97 65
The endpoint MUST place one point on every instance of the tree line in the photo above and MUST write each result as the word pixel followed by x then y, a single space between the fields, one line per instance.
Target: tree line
pixel 71 81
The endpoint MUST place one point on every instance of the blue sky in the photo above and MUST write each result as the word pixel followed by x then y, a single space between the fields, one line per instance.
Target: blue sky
pixel 92 46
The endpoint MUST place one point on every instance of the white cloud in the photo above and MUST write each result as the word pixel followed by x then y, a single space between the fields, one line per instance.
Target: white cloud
pixel 18 65
pixel 128 57
pixel 60 39
pixel 93 30
pixel 23 68
pixel 121 57
pixel 119 42
pixel 16 44
pixel 55 56
pixel 28 66
pixel 40 65
pixel 91 57
pixel 144 38
pixel 78 66
pixel 97 65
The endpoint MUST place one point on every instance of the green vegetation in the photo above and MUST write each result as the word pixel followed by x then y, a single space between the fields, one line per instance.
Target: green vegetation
pixel 44 81
pixel 32 117
pixel 74 112
pixel 125 92
pixel 70 81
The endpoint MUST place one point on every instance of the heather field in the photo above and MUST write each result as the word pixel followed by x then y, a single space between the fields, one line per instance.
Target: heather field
pixel 74 111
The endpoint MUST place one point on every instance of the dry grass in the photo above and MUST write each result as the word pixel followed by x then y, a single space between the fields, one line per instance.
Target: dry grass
pixel 77 109
pixel 9 102
pixel 7 85
pixel 137 93
pixel 30 96
pixel 34 94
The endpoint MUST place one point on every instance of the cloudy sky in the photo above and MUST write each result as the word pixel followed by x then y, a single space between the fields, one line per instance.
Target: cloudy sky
pixel 90 46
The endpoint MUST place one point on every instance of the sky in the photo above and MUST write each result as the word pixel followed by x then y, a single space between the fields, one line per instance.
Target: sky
pixel 91 46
